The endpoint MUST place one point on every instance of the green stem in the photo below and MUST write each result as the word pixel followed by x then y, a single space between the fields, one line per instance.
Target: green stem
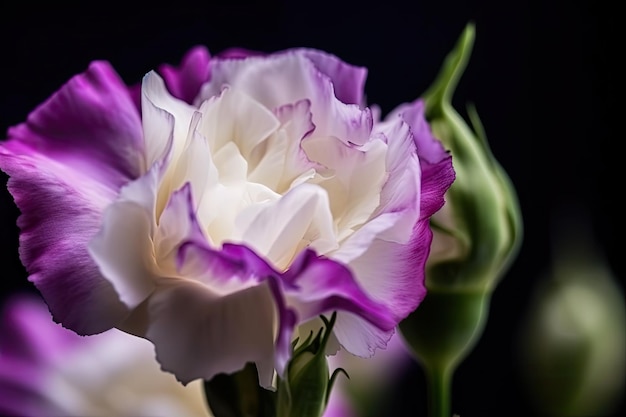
pixel 439 387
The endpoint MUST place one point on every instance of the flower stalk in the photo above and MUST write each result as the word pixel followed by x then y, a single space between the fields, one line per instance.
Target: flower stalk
pixel 439 384
pixel 457 320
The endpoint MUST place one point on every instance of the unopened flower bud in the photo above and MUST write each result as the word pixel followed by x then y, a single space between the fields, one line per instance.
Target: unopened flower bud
pixel 573 342
pixel 478 231
pixel 476 234
pixel 305 390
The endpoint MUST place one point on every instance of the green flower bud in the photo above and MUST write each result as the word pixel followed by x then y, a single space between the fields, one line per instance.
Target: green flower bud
pixel 307 383
pixel 573 342
pixel 479 231
pixel 476 236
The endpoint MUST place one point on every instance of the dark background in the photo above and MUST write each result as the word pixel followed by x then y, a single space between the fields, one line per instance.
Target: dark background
pixel 543 78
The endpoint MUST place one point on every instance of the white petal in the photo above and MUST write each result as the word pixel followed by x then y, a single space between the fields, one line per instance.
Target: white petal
pixel 154 91
pixel 198 335
pixel 175 226
pixel 280 229
pixel 358 336
pixel 289 77
pixel 158 131
pixel 402 189
pixel 281 162
pixel 231 165
pixel 123 251
pixel 274 80
pixel 195 165
pixel 360 241
pixel 233 117
pixel 123 248
pixel 396 216
pixel 359 176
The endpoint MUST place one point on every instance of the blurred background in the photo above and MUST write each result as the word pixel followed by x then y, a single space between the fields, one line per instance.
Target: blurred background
pixel 542 76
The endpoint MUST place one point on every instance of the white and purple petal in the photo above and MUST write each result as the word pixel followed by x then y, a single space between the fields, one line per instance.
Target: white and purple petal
pixel 185 80
pixel 123 248
pixel 198 334
pixel 436 163
pixel 389 253
pixel 288 77
pixel 66 164
pixel 348 80
pixel 280 229
pixel 318 285
pixel 376 252
pixel 227 310
pixel 89 125
pixel 280 162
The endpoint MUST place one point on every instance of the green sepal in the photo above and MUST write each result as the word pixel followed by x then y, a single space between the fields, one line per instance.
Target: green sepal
pixel 239 395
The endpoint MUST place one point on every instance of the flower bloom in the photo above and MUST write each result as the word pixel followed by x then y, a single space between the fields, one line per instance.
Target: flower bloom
pixel 46 370
pixel 219 208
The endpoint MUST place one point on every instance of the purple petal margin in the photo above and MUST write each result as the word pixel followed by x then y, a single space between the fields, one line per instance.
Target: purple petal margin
pixel 182 81
pixel 436 163
pixel 324 285
pixel 313 285
pixel 90 125
pixel 66 163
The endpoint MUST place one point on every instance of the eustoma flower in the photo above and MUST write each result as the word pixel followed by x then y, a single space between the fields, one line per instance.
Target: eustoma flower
pixel 225 205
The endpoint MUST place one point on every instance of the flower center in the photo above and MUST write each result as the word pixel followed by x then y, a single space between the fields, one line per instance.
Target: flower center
pixel 264 178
